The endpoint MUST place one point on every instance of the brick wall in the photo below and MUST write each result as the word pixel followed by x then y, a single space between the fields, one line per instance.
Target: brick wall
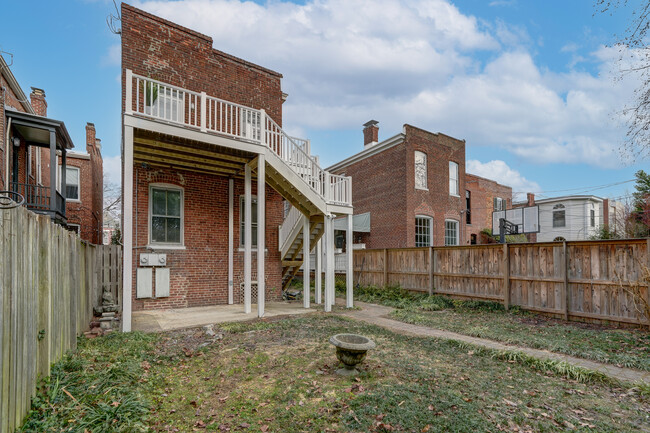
pixel 199 273
pixel 483 191
pixel 10 99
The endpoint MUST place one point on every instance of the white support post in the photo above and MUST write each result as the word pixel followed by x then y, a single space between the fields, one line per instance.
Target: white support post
pixel 204 101
pixel 318 274
pixel 231 247
pixel 329 264
pixel 306 268
pixel 128 101
pixel 261 234
pixel 127 229
pixel 349 275
pixel 263 127
pixel 248 241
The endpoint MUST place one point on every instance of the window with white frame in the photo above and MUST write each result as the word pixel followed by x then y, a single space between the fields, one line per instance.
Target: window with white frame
pixel 592 218
pixel 166 215
pixel 451 232
pixel 453 178
pixel 499 203
pixel 242 224
pixel 420 170
pixel 423 231
pixel 559 216
pixel 72 175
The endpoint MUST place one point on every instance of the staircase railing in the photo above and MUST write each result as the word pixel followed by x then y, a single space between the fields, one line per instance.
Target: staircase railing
pixel 156 99
pixel 293 217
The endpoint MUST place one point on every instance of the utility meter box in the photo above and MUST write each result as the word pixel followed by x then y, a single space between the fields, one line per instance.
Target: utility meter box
pixel 153 259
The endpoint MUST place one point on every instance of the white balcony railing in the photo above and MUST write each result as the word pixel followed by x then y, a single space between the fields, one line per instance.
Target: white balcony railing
pixel 156 99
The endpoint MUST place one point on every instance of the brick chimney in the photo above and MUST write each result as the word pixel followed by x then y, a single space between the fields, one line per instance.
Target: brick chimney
pixel 605 220
pixel 370 133
pixel 37 98
pixel 530 199
pixel 91 140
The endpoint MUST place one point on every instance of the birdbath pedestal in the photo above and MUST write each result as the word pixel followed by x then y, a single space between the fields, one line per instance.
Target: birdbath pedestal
pixel 351 349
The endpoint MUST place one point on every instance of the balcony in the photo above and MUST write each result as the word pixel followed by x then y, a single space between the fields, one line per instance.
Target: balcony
pixel 164 102
pixel 37 199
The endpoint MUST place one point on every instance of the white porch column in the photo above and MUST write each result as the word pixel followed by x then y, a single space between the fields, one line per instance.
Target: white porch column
pixel 306 269
pixel 318 274
pixel 231 222
pixel 349 275
pixel 329 264
pixel 248 241
pixel 127 229
pixel 261 234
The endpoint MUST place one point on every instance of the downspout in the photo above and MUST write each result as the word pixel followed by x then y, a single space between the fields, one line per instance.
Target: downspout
pixel 7 147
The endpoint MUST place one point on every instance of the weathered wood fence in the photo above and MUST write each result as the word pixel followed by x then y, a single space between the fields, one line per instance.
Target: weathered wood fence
pixel 49 282
pixel 576 280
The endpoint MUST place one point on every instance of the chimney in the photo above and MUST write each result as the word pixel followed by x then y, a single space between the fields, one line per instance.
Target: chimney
pixel 370 133
pixel 605 220
pixel 98 144
pixel 91 140
pixel 37 98
pixel 530 199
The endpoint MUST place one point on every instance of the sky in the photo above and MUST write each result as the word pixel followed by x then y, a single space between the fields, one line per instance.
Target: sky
pixel 533 87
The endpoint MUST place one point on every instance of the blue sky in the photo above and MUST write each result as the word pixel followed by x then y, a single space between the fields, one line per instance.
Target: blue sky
pixel 528 84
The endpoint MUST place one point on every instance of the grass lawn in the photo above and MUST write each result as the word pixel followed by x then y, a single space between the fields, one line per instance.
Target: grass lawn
pixel 278 376
pixel 623 347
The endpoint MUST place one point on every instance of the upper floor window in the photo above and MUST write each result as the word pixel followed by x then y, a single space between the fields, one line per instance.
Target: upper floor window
pixel 423 231
pixel 592 218
pixel 468 207
pixel 559 216
pixel 72 183
pixel 420 170
pixel 242 223
pixel 451 232
pixel 166 215
pixel 453 178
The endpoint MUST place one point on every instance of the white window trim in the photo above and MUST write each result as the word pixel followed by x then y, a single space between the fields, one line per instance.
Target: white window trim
pixel 241 246
pixel 430 219
pixel 426 171
pixel 162 245
pixel 457 193
pixel 78 227
pixel 62 189
pixel 457 232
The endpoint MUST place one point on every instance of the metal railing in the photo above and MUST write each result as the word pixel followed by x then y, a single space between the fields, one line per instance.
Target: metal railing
pixel 155 99
pixel 37 197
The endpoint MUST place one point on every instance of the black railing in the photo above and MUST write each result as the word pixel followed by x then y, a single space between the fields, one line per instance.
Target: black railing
pixel 37 197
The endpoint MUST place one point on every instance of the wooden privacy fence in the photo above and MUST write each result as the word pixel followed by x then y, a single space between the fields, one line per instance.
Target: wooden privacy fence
pixel 580 279
pixel 49 282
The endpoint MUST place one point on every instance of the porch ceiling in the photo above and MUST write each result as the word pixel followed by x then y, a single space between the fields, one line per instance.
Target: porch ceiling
pixel 166 151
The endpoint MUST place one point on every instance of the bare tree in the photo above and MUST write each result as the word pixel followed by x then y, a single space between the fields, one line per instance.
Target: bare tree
pixel 112 200
pixel 634 58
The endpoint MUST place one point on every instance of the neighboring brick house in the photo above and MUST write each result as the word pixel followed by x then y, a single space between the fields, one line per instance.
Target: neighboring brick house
pixel 412 184
pixel 200 128
pixel 84 189
pixel 483 196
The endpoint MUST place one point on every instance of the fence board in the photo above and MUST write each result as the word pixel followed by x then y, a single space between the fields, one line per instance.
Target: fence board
pixel 581 279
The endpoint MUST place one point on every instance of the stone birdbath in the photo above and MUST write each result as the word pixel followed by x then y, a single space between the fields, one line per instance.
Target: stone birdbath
pixel 351 349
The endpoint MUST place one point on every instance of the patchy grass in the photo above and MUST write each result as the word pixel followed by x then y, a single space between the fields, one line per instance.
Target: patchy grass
pixel 622 347
pixel 278 375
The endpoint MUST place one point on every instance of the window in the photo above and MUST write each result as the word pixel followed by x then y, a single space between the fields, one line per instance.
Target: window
pixel 453 178
pixel 499 203
pixel 74 228
pixel 592 218
pixel 423 231
pixel 468 207
pixel 166 222
pixel 72 183
pixel 242 226
pixel 451 232
pixel 559 216
pixel 420 170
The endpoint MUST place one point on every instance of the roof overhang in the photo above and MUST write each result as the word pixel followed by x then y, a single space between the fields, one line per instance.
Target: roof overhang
pixel 370 151
pixel 36 129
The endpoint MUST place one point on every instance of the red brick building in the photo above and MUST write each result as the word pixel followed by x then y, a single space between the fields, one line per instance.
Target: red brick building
pixel 483 196
pixel 412 184
pixel 200 128
pixel 84 189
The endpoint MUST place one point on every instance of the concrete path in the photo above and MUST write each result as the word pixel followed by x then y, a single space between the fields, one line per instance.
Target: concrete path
pixel 377 315
pixel 167 320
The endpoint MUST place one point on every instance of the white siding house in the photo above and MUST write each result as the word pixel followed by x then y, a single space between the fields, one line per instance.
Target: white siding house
pixel 569 218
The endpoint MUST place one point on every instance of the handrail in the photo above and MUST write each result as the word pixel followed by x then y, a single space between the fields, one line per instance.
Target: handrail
pixel 294 216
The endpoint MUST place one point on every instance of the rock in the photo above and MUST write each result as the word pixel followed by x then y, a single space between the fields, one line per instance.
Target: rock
pixel 90 335
pixel 94 324
pixel 209 330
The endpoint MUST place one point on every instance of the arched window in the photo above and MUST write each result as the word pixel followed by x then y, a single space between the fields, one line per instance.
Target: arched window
pixel 559 216
pixel 559 239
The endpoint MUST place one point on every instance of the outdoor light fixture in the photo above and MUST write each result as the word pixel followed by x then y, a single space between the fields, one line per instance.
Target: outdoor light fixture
pixel 16 141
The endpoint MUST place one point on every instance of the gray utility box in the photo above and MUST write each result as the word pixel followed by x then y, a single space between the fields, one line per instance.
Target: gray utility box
pixel 145 274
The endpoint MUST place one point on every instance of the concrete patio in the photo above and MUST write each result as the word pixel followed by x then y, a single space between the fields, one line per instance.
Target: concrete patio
pixel 167 320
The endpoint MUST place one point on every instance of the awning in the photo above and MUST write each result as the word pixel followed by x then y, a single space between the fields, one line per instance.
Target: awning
pixel 360 223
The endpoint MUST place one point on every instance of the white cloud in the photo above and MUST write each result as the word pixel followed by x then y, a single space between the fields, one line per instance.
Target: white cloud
pixel 415 62
pixel 500 172
pixel 113 56
pixel 113 169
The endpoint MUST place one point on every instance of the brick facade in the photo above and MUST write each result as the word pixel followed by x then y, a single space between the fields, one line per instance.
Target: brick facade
pixel 87 212
pixel 384 185
pixel 10 99
pixel 156 48
pixel 482 194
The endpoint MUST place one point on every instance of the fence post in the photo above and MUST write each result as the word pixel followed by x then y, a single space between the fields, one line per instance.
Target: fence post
pixel 385 267
pixel 506 277
pixel 565 286
pixel 647 290
pixel 431 270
